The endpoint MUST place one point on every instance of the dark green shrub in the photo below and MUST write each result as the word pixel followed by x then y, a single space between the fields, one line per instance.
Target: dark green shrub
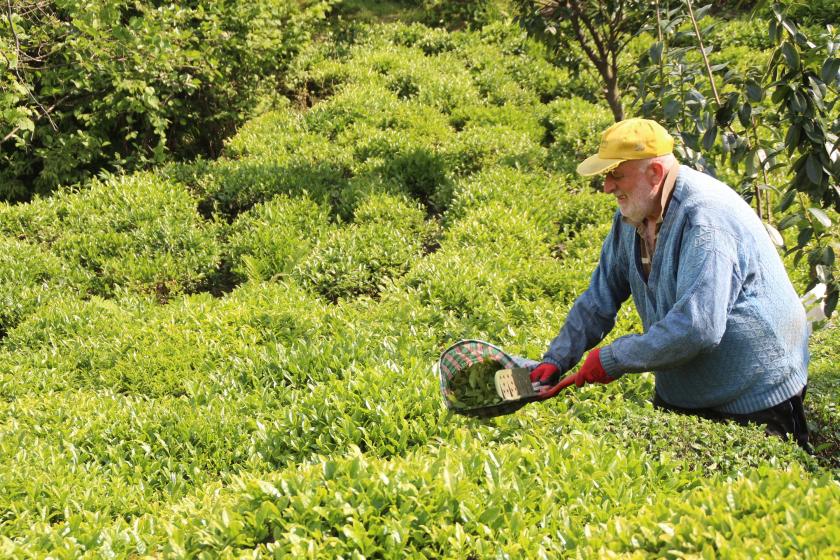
pixel 128 84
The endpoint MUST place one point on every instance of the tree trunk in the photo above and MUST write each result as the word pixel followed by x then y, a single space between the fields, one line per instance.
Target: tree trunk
pixel 613 96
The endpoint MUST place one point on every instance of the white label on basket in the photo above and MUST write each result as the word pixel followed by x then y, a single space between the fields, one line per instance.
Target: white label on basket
pixel 514 384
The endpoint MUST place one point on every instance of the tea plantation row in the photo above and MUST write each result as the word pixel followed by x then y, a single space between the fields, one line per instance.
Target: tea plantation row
pixel 234 358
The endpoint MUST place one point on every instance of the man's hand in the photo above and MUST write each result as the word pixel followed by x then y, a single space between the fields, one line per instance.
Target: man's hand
pixel 546 374
pixel 592 371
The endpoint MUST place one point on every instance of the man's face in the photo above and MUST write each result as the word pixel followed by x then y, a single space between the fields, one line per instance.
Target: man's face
pixel 633 189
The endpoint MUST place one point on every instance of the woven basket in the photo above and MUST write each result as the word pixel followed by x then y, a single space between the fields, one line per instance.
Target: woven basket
pixel 461 355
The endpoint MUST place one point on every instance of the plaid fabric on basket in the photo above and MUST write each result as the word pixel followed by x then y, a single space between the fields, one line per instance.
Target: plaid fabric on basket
pixel 462 355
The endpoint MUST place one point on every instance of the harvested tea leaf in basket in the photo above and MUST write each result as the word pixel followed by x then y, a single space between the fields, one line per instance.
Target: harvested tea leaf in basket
pixel 475 385
pixel 467 371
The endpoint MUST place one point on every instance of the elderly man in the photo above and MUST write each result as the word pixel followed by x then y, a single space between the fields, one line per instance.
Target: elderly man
pixel 724 331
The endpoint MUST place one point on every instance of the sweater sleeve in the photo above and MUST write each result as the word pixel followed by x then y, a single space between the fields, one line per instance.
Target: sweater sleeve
pixel 707 286
pixel 593 314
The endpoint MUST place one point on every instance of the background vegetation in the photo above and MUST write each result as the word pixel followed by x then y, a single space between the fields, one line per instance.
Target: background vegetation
pixel 233 356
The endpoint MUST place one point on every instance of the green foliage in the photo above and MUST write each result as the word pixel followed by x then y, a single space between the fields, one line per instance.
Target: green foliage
pixel 135 233
pixel 295 413
pixel 104 84
pixel 740 32
pixel 586 31
pixel 430 40
pixel 475 386
pixel 463 14
pixel 818 12
pixel 574 128
pixel 775 128
pixel 30 277
pixel 271 238
pixel 387 235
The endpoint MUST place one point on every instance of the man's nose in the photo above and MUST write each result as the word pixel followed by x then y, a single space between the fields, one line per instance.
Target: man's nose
pixel 609 185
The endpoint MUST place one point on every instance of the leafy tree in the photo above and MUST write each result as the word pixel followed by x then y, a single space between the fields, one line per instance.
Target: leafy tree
pixel 600 29
pixel 92 85
pixel 775 128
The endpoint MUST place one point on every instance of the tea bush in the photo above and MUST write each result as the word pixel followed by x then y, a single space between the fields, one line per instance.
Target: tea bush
pixel 428 39
pixel 225 188
pixel 403 162
pixel 460 15
pixel 31 277
pixel 521 119
pixel 750 33
pixel 480 147
pixel 271 238
pixel 135 232
pixel 503 50
pixel 139 347
pixel 387 236
pixel 574 129
pixel 353 103
pixel 742 59
pixel 145 449
pixel 295 411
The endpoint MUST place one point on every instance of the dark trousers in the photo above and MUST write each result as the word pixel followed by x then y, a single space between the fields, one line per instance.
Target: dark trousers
pixel 786 419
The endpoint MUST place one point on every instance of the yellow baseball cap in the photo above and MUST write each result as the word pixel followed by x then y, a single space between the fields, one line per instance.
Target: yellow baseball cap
pixel 628 139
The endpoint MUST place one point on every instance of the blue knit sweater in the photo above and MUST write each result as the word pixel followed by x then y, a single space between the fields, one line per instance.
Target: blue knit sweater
pixel 723 326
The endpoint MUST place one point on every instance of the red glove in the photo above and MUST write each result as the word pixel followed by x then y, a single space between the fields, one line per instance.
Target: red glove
pixel 545 373
pixel 549 375
pixel 592 371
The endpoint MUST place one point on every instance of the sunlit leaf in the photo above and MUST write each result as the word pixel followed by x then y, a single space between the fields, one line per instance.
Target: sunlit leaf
pixel 774 234
pixel 821 217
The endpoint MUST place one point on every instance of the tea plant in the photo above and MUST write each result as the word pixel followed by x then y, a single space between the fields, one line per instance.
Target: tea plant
pixel 240 351
pixel 135 232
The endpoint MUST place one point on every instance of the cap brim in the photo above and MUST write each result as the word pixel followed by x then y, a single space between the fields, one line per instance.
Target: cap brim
pixel 596 165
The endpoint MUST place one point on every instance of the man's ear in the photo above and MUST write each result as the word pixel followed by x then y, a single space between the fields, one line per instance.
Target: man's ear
pixel 655 173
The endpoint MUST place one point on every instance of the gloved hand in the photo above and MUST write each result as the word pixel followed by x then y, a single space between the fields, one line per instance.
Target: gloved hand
pixel 592 371
pixel 549 376
pixel 546 374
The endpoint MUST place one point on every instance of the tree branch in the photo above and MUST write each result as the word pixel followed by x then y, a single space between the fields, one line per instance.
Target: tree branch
pixel 45 112
pixel 10 135
pixel 596 38
pixel 703 51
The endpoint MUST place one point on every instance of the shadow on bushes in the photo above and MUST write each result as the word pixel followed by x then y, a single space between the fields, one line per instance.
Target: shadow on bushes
pixel 424 176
